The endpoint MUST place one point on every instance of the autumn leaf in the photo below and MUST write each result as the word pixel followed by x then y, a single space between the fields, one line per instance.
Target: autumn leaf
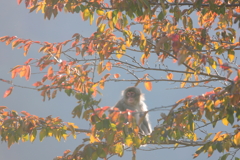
pixel 37 84
pixel 3 107
pixel 225 66
pixel 78 51
pixel 148 85
pixel 50 72
pixel 170 76
pixel 236 139
pixel 116 75
pixel 28 72
pixel 208 70
pixel 29 60
pixel 8 92
pixel 108 66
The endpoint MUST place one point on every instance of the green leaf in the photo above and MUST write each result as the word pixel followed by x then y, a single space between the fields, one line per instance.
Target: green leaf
pixel 206 138
pixel 42 134
pixel 77 111
pixel 68 91
pixel 190 22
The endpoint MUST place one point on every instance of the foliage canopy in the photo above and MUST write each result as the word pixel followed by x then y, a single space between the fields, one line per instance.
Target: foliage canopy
pixel 160 32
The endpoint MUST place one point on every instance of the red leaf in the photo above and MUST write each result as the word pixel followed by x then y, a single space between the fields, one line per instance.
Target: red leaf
pixel 209 93
pixel 8 92
pixel 37 84
pixel 224 66
pixel 29 60
pixel 116 75
pixel 175 37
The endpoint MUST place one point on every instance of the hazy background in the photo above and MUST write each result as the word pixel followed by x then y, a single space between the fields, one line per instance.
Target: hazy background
pixel 16 21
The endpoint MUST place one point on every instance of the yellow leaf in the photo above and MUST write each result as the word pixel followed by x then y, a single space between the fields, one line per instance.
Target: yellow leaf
pixel 195 137
pixel 231 55
pixel 119 56
pixel 183 84
pixel 129 141
pixel 210 151
pixel 86 14
pixel 101 28
pixel 109 15
pixel 208 70
pixel 214 66
pixel 236 139
pixel 100 12
pixel 148 85
pixel 225 121
pixel 216 136
pixel 142 37
pixel 110 24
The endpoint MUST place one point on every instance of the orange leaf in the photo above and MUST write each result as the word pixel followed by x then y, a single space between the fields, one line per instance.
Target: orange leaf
pixel 219 61
pixel 217 102
pixel 77 35
pixel 59 51
pixel 23 71
pixel 148 85
pixel 54 94
pixel 3 107
pixel 50 72
pixel 25 113
pixel 236 139
pixel 74 43
pixel 105 108
pixel 108 66
pixel 216 136
pixel 28 72
pixel 19 1
pixel 116 75
pixel 106 76
pixel 78 51
pixel 37 84
pixel 28 61
pixel 8 92
pixel 142 37
pixel 170 76
pixel 101 84
pixel 237 9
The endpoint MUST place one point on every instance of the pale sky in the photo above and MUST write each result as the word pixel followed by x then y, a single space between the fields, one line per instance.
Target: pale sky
pixel 16 21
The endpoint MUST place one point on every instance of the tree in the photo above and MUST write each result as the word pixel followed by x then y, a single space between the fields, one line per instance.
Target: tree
pixel 141 38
